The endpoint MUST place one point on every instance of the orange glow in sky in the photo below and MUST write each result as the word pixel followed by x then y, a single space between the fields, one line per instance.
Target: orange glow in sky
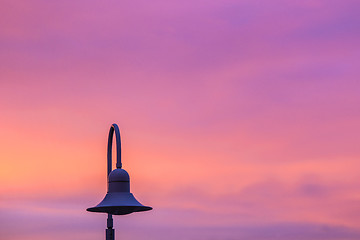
pixel 238 119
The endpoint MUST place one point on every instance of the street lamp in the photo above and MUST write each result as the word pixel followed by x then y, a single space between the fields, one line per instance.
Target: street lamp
pixel 118 199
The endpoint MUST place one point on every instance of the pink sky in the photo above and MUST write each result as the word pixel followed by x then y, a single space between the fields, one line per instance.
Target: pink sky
pixel 239 119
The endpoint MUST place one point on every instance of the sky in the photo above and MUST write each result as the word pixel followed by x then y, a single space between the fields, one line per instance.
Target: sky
pixel 238 119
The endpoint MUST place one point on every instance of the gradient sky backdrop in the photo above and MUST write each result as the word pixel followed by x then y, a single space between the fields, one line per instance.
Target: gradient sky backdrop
pixel 239 119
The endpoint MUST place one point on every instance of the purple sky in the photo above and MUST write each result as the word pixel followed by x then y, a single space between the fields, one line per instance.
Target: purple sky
pixel 239 119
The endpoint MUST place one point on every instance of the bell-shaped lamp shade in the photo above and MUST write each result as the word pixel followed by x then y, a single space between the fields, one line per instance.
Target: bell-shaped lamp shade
pixel 119 200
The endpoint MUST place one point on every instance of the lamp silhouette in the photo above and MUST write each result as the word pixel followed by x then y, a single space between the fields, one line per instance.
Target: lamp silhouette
pixel 118 199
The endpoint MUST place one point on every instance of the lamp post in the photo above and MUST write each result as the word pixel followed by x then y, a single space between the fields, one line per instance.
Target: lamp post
pixel 118 199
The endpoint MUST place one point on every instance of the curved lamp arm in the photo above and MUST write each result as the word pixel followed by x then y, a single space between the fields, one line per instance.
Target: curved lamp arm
pixel 110 234
pixel 113 128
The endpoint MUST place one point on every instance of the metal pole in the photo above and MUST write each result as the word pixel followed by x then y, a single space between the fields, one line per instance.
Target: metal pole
pixel 110 232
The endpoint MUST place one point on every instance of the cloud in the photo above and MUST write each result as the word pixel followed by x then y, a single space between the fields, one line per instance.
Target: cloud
pixel 239 118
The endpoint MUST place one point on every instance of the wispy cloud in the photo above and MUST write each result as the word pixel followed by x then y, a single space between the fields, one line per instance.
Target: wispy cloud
pixel 239 118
